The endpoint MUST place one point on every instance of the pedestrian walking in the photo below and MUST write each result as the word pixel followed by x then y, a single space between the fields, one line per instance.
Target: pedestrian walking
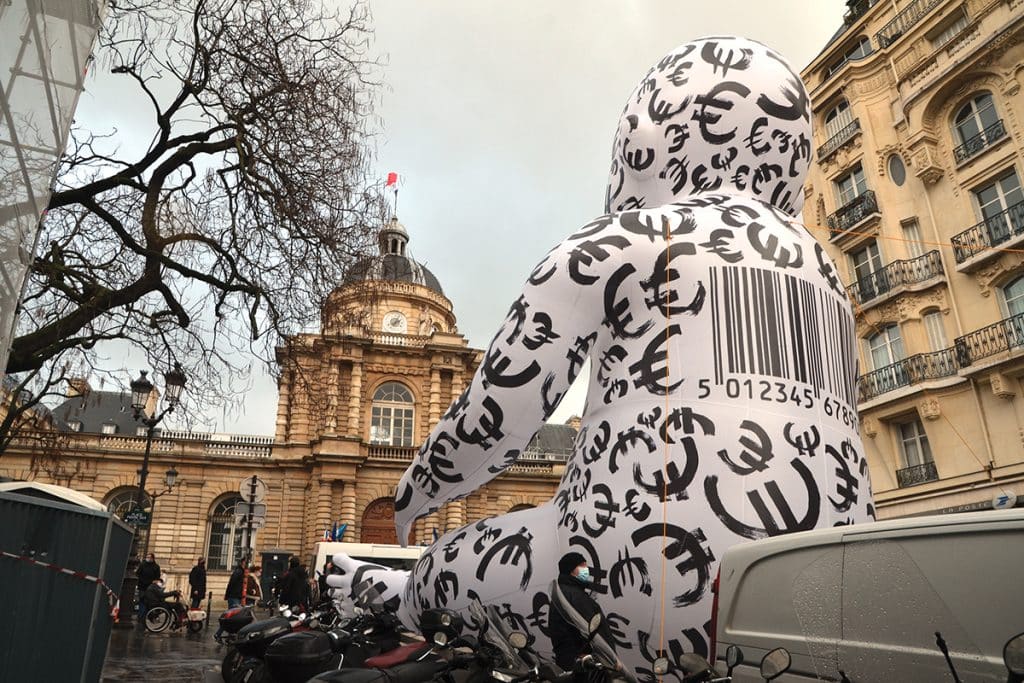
pixel 294 585
pixel 197 582
pixel 234 592
pixel 253 590
pixel 572 608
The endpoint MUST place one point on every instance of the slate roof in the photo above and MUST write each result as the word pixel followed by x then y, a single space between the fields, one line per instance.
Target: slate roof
pixel 554 439
pixel 97 408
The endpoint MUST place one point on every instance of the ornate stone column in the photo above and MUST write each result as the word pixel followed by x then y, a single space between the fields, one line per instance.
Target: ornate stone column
pixel 355 397
pixel 435 396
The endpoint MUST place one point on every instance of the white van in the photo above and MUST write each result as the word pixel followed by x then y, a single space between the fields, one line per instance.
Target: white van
pixel 394 556
pixel 872 602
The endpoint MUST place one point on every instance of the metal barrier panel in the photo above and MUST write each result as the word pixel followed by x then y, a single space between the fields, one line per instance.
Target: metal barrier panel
pixel 57 624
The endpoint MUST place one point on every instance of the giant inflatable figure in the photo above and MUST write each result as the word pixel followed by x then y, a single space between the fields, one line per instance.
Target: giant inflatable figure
pixel 722 400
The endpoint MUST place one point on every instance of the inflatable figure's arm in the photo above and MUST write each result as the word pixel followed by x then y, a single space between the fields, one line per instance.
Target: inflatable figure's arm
pixel 526 370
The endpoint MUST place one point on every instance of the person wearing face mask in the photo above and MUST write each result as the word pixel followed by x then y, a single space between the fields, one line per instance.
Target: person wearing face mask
pixel 572 608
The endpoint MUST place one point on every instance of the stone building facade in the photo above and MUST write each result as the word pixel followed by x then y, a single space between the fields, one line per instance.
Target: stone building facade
pixel 355 401
pixel 916 194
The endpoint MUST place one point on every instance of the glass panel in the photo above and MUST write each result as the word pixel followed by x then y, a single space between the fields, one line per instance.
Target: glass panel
pixel 1014 296
pixel 912 235
pixel 911 455
pixel 986 111
pixel 936 332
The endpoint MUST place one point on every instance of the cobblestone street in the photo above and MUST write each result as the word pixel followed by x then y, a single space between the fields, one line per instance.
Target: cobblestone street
pixel 134 655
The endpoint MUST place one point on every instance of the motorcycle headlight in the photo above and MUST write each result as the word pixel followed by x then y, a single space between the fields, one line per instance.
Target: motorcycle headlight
pixel 502 676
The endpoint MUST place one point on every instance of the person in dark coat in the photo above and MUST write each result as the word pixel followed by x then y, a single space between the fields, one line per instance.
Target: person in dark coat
pixel 571 610
pixel 236 586
pixel 322 581
pixel 148 572
pixel 293 586
pixel 234 592
pixel 197 582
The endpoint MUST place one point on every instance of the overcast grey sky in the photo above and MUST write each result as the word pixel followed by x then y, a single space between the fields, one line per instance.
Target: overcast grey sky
pixel 499 116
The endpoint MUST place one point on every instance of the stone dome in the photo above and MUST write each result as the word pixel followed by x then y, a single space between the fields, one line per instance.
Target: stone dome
pixel 393 263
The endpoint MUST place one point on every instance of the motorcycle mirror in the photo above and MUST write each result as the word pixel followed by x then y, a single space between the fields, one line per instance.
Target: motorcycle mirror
pixel 1013 654
pixel 733 657
pixel 775 663
pixel 517 639
pixel 594 623
pixel 440 638
pixel 660 666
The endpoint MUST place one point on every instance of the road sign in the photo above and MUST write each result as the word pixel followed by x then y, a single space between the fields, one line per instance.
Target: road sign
pixel 137 518
pixel 257 522
pixel 1004 501
pixel 255 509
pixel 247 492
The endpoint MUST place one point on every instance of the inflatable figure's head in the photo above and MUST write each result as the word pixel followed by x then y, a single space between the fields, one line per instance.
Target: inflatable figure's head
pixel 717 114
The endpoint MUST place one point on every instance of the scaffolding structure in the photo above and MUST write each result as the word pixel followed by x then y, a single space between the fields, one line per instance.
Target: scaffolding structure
pixel 43 61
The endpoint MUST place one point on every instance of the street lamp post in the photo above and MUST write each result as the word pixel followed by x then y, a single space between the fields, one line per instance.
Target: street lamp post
pixel 141 390
pixel 170 481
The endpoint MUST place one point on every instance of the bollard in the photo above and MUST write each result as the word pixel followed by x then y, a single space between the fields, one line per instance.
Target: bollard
pixel 209 604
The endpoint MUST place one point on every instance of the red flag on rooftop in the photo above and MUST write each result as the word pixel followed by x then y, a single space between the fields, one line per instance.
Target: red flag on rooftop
pixel 392 179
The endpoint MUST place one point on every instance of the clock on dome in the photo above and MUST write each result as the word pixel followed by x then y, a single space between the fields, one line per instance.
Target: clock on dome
pixel 395 323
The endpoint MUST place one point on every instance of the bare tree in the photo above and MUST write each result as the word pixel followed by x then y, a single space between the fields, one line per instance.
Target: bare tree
pixel 248 206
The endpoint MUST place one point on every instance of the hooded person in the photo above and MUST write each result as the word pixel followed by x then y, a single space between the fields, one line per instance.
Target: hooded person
pixel 571 613
pixel 721 404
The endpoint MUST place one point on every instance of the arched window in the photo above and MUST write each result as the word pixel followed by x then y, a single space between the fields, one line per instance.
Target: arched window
pixel 121 501
pixel 226 542
pixel 392 414
pixel 1013 295
pixel 837 118
pixel 976 126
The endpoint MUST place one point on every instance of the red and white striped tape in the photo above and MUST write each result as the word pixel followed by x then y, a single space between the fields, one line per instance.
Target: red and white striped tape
pixel 115 602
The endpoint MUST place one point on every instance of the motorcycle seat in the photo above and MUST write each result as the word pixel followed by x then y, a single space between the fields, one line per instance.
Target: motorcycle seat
pixel 399 655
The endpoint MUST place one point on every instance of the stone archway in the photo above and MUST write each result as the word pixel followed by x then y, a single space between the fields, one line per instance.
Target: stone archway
pixel 378 525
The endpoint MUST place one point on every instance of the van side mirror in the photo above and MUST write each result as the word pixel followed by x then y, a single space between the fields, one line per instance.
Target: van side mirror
pixel 1013 655
pixel 660 667
pixel 775 663
pixel 733 658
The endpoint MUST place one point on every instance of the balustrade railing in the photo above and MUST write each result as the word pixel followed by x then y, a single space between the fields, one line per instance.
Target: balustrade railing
pixel 852 213
pixel 902 272
pixel 842 136
pixel 380 452
pixel 989 233
pixel 910 370
pixel 400 339
pixel 917 474
pixel 914 13
pixel 976 144
pixel 1004 335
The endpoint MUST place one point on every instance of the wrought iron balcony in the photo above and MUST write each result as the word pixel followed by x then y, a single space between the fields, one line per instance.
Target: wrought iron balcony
pixel 989 233
pixel 911 370
pixel 853 213
pixel 917 474
pixel 975 145
pixel 1004 335
pixel 836 141
pixel 914 13
pixel 903 272
pixel 857 9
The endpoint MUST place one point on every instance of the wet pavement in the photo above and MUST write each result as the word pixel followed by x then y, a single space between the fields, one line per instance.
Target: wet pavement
pixel 134 655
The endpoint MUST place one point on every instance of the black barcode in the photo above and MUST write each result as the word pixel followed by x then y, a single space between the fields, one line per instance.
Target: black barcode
pixel 776 325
